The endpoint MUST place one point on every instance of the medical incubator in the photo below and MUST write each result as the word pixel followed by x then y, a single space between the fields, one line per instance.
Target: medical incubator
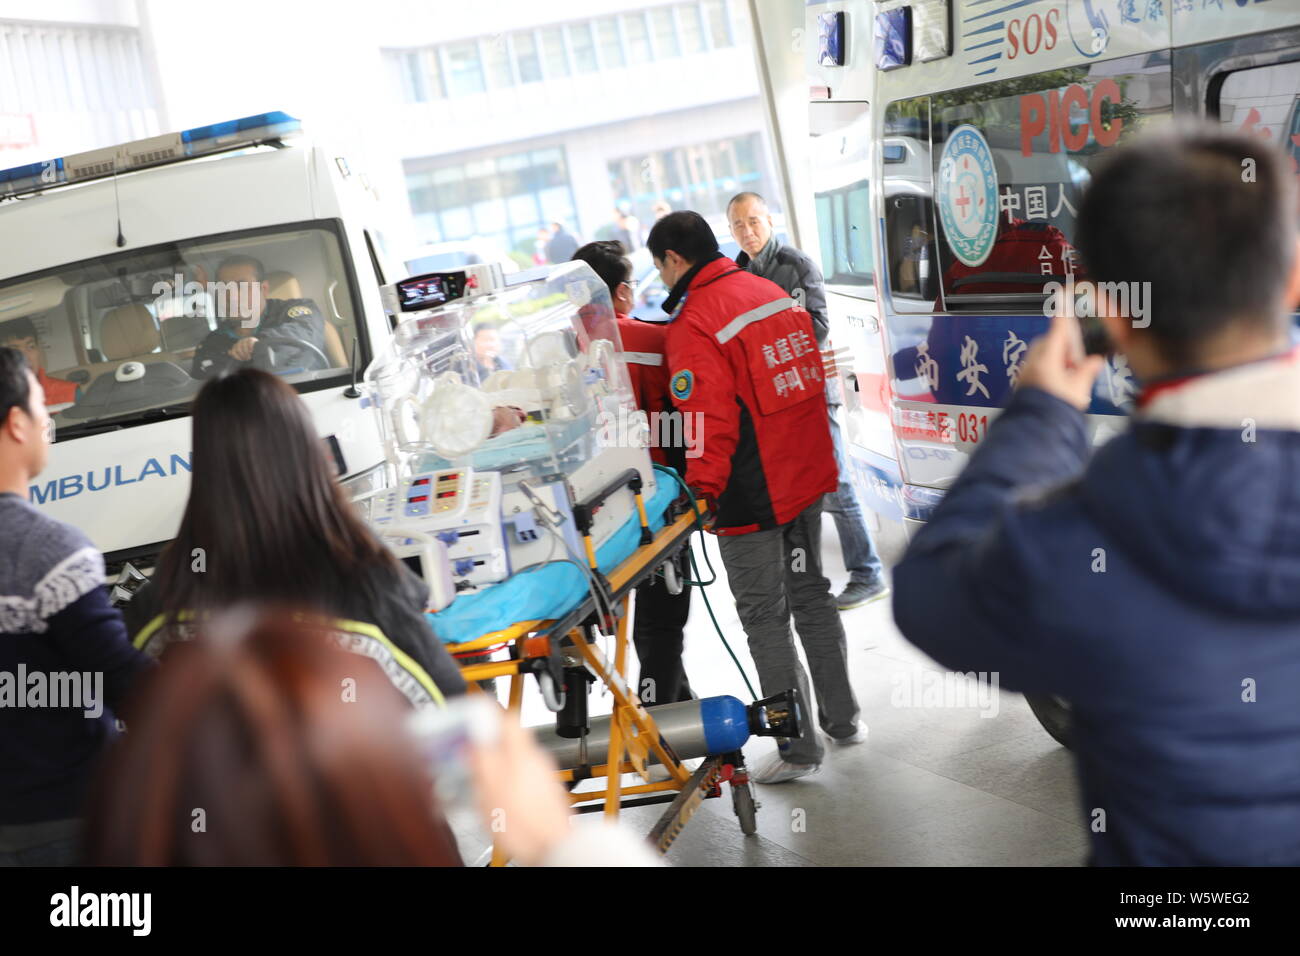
pixel 511 432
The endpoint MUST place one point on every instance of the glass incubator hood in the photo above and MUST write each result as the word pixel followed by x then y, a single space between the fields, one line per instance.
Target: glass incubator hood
pixel 528 381
pixel 525 385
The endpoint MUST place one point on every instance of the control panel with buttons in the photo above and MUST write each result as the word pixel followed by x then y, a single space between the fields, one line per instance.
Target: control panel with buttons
pixel 460 508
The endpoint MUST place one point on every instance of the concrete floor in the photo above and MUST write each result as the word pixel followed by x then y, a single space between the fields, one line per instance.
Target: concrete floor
pixel 930 787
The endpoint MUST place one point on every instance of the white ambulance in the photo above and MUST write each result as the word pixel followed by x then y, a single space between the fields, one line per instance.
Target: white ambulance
pixel 951 141
pixel 108 260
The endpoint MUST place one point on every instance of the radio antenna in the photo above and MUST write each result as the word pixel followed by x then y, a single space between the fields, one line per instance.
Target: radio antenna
pixel 117 205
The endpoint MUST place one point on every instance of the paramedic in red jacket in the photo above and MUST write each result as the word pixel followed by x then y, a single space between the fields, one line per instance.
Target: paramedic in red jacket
pixel 659 624
pixel 744 359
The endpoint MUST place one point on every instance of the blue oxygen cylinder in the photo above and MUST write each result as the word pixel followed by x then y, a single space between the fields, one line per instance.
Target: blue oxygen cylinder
pixel 694 728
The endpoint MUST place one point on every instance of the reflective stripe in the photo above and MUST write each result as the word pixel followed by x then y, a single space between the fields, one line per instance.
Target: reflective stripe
pixel 355 637
pixel 740 322
pixel 643 358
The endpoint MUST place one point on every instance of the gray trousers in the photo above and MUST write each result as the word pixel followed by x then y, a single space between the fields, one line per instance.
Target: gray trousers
pixel 774 574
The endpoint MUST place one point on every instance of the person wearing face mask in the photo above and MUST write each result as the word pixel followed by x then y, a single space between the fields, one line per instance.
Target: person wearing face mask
pixel 658 627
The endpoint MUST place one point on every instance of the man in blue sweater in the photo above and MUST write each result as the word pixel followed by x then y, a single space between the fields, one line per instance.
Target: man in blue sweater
pixel 1156 587
pixel 65 661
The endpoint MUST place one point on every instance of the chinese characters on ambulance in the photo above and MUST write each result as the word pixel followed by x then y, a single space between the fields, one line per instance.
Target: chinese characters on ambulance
pixel 1068 118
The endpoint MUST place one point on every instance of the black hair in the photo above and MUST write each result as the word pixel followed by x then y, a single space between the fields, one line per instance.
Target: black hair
pixel 15 383
pixel 608 259
pixel 273 523
pixel 685 233
pixel 22 328
pixel 234 262
pixel 1208 218
pixel 740 197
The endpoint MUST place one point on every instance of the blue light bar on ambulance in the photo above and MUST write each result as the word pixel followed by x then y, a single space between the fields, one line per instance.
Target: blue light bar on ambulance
pixel 144 153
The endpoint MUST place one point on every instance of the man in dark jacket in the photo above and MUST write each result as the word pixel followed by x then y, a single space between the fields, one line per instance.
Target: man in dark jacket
pixel 65 662
pixel 1156 587
pixel 762 253
pixel 745 363
pixel 562 245
pixel 238 340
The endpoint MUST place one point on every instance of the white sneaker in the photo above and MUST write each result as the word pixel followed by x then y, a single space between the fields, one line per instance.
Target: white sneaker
pixel 858 736
pixel 775 769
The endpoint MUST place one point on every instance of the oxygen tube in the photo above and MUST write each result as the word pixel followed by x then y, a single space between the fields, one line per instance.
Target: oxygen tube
pixel 699 524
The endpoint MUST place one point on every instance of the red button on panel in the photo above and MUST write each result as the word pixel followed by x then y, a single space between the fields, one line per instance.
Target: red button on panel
pixel 418 498
pixel 446 494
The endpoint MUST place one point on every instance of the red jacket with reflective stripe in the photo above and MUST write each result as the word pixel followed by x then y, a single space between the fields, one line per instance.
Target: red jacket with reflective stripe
pixel 647 366
pixel 745 364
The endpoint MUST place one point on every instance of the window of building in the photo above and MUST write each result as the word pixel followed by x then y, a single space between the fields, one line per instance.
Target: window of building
pixel 690 27
pixel 638 37
pixel 494 206
pixel 528 64
pixel 610 42
pixel 416 75
pixel 665 32
pixel 715 14
pixel 557 58
pixel 496 56
pixel 582 47
pixel 464 68
pixel 702 177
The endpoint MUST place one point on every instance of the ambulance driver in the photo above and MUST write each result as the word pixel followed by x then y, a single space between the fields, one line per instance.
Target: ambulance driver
pixel 234 343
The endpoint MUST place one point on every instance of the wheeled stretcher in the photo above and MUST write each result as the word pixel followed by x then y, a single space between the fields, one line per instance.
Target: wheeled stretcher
pixel 565 657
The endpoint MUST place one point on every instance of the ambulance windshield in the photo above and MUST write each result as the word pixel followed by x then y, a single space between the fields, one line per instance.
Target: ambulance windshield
pixel 128 339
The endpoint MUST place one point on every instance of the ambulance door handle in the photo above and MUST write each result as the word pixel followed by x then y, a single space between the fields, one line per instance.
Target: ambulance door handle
pixel 334 309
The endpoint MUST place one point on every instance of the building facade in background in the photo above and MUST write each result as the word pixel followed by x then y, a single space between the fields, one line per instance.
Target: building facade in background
pixel 478 129
pixel 568 121
pixel 71 86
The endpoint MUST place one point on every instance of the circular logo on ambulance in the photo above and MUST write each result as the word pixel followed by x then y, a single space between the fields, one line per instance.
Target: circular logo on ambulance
pixel 967 197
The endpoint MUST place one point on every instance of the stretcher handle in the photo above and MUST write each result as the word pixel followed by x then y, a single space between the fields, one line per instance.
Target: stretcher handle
pixel 584 513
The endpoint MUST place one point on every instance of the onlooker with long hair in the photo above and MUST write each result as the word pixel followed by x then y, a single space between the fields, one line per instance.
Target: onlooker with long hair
pixel 245 751
pixel 266 521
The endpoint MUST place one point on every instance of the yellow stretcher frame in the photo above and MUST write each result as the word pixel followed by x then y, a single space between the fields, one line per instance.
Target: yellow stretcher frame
pixel 633 734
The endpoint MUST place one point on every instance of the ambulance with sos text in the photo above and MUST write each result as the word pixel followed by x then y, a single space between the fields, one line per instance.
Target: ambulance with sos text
pixel 951 141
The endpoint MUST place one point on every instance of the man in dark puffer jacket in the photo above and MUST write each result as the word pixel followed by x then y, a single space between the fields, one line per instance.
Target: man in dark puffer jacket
pixel 1157 586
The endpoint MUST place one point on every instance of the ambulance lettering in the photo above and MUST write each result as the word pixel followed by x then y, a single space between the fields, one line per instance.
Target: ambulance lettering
pixel 69 486
pixel 1032 34
pixel 1051 114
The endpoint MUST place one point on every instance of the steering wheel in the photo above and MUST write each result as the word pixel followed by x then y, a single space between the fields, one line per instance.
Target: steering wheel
pixel 269 340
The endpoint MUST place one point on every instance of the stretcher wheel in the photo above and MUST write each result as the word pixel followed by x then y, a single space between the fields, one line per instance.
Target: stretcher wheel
pixel 672 579
pixel 742 801
pixel 552 694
